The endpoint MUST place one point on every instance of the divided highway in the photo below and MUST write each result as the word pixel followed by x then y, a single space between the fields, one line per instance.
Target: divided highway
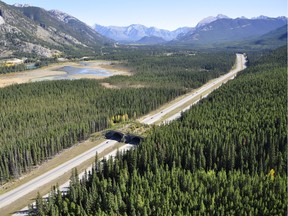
pixel 65 186
pixel 13 195
pixel 16 194
pixel 200 93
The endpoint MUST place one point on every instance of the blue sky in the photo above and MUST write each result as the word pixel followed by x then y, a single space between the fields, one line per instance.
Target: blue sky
pixel 166 14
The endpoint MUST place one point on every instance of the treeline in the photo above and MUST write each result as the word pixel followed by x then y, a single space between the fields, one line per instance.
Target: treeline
pixel 225 156
pixel 21 67
pixel 14 68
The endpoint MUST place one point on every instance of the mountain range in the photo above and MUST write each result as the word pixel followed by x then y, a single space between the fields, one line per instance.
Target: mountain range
pixel 210 30
pixel 136 32
pixel 32 31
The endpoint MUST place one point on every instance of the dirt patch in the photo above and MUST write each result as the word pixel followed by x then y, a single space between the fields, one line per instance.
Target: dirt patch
pixel 137 86
pixel 108 85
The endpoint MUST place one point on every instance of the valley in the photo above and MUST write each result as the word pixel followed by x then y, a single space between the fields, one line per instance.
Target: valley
pixel 132 119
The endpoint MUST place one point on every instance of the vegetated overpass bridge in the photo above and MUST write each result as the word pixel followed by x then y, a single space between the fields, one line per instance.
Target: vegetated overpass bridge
pixel 122 137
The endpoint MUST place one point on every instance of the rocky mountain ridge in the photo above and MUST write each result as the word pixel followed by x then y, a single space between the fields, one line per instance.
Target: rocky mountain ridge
pixel 35 31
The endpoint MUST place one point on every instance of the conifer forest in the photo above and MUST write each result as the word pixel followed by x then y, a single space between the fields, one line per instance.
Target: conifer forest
pixel 225 156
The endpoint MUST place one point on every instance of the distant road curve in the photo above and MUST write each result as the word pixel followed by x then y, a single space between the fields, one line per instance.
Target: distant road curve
pixel 239 66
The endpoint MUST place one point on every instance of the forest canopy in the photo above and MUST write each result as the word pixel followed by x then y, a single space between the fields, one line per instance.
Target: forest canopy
pixel 226 156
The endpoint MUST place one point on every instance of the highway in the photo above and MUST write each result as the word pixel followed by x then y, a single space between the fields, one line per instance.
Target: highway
pixel 17 193
pixel 198 93
pixel 65 186
pixel 33 185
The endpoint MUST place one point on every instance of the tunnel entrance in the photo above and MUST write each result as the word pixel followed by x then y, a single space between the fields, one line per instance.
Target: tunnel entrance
pixel 121 137
pixel 133 139
pixel 115 135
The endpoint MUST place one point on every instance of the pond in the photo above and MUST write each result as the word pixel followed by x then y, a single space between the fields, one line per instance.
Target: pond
pixel 70 70
pixel 31 66
pixel 72 73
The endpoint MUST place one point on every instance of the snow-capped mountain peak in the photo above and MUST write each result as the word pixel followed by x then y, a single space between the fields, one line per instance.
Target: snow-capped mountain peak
pixel 22 5
pixel 61 16
pixel 222 16
pixel 210 19
pixel 2 21
pixel 261 17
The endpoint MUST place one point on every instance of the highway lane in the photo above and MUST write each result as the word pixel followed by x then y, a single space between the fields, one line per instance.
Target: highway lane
pixel 64 187
pixel 112 154
pixel 15 194
pixel 212 85
pixel 178 114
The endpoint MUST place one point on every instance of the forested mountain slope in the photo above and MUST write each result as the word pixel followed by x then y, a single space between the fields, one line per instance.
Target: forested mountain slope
pixel 225 156
pixel 271 40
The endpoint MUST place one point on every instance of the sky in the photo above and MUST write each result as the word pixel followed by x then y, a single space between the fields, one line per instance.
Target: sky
pixel 164 14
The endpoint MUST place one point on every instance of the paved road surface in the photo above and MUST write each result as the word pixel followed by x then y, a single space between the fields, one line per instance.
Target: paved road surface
pixel 32 185
pixel 65 186
pixel 240 65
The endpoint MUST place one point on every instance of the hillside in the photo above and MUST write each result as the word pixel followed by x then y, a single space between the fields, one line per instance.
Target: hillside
pixel 150 40
pixel 26 29
pixel 275 38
